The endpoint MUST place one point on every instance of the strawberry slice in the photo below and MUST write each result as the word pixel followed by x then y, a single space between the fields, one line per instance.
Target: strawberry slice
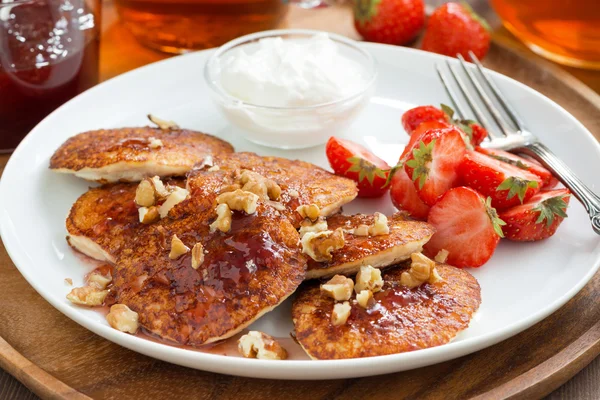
pixel 506 184
pixel 414 117
pixel 354 161
pixel 475 132
pixel 537 219
pixel 404 196
pixel 467 226
pixel 526 164
pixel 433 163
pixel 552 182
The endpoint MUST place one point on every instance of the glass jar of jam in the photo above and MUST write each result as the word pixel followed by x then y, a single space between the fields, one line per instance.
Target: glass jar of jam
pixel 48 54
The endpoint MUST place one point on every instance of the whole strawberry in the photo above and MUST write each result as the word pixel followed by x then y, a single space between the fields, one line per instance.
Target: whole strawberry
pixel 455 29
pixel 389 21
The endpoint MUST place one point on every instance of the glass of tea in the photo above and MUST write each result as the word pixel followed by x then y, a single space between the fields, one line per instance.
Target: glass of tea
pixel 567 32
pixel 178 26
pixel 48 54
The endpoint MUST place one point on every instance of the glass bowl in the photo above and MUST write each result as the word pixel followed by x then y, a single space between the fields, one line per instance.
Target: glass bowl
pixel 291 127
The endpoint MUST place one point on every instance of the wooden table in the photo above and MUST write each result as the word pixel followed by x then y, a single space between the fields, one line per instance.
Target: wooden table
pixel 120 53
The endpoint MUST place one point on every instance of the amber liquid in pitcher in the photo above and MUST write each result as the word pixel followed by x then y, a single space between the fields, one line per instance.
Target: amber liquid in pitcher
pixel 564 31
pixel 176 26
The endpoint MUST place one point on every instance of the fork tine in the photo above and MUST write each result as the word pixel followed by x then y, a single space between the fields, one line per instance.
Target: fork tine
pixel 453 98
pixel 497 93
pixel 484 97
pixel 476 110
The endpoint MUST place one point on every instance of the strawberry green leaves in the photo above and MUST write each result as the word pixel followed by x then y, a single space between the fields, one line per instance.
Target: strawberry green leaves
pixel 365 169
pixel 462 124
pixel 496 221
pixel 516 187
pixel 365 10
pixel 549 208
pixel 421 161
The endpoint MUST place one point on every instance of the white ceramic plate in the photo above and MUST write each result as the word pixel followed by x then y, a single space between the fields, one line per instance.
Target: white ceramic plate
pixel 522 284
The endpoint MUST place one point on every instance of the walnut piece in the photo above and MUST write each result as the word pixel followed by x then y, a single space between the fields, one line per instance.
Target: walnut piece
pixel 144 194
pixel 368 278
pixel 377 228
pixel 422 270
pixel 214 168
pixel 177 196
pixel 338 288
pixel 161 123
pixel 340 314
pixel 310 211
pixel 148 215
pixel 197 255
pixel 319 246
pixel 178 248
pixel 154 143
pixel 442 256
pixel 239 200
pixel 260 186
pixel 259 345
pixel 99 280
pixel 87 296
pixel 364 298
pixel 123 318
pixel 223 221
pixel 159 187
pixel 69 281
pixel 307 225
pixel 293 193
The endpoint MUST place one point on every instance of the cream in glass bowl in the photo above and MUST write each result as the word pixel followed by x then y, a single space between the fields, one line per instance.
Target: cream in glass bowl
pixel 291 88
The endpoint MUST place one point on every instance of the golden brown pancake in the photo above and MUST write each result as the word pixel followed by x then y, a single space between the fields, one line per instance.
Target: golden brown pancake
pixel 129 155
pixel 406 237
pixel 399 320
pixel 245 273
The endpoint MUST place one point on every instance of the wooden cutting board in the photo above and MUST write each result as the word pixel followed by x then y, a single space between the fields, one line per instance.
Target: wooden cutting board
pixel 56 358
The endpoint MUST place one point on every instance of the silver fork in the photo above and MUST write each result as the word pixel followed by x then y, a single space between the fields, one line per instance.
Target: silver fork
pixel 512 135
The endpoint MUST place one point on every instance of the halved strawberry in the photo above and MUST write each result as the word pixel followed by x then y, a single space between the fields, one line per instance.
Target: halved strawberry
pixel 475 132
pixel 537 219
pixel 467 226
pixel 506 184
pixel 526 164
pixel 552 182
pixel 418 133
pixel 354 161
pixel 404 196
pixel 414 117
pixel 433 163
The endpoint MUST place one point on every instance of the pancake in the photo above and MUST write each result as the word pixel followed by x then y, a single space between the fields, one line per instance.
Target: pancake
pixel 406 237
pixel 399 320
pixel 132 154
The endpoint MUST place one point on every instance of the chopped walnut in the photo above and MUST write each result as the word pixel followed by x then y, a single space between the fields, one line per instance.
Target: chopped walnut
pixel 364 298
pixel 310 211
pixel 123 318
pixel 293 193
pixel 361 230
pixel 161 123
pixel 276 205
pixel 214 168
pixel 98 280
pixel 340 314
pixel 148 215
pixel 239 200
pixel 154 143
pixel 368 278
pixel 197 255
pixel 69 281
pixel 307 225
pixel 159 187
pixel 178 248
pixel 380 225
pixel 87 296
pixel 442 256
pixel 260 186
pixel 338 288
pixel 230 188
pixel 223 221
pixel 144 194
pixel 177 196
pixel 422 270
pixel 319 246
pixel 259 345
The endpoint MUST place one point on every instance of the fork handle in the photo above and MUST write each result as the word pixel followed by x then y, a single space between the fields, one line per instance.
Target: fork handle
pixel 584 194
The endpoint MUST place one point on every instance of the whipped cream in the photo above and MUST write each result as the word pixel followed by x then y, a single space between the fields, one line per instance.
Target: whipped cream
pixel 291 73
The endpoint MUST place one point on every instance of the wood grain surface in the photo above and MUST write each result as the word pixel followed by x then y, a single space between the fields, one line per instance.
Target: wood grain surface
pixel 56 358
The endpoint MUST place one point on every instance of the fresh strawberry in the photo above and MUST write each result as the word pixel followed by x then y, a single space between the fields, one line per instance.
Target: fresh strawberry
pixel 527 164
pixel 552 182
pixel 414 117
pixel 433 163
pixel 478 133
pixel 467 226
pixel 537 219
pixel 418 133
pixel 472 129
pixel 404 196
pixel 506 184
pixel 354 161
pixel 389 21
pixel 455 29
